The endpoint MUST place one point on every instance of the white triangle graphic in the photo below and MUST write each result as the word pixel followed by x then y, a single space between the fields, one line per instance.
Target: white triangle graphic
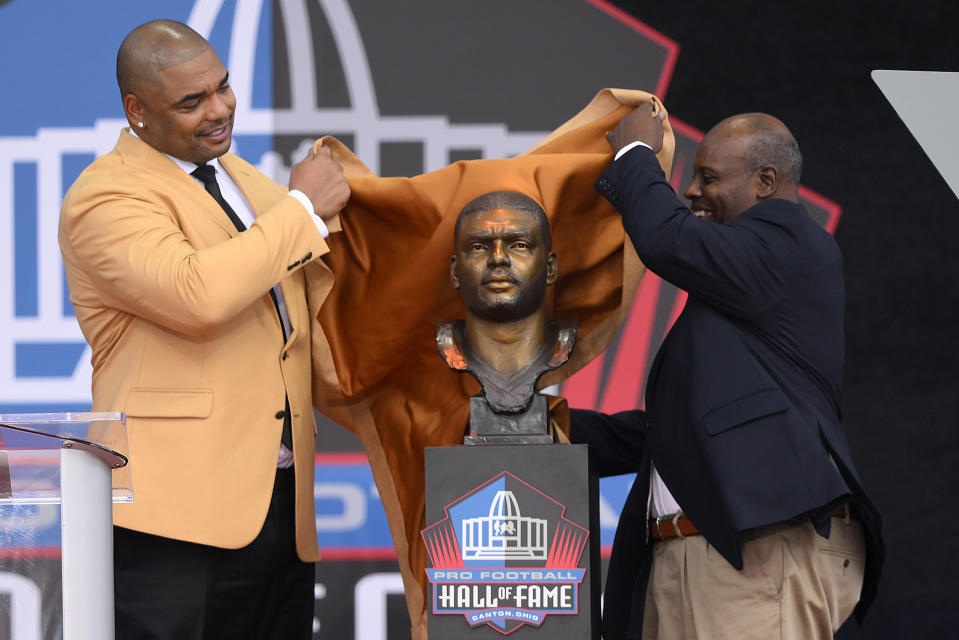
pixel 928 104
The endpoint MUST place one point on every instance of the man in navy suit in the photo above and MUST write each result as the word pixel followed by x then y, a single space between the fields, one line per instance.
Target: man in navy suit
pixel 747 518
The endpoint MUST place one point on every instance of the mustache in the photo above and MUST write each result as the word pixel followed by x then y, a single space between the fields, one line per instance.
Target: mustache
pixel 499 275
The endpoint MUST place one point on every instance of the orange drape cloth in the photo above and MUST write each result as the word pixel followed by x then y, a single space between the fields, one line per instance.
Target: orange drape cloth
pixel 392 286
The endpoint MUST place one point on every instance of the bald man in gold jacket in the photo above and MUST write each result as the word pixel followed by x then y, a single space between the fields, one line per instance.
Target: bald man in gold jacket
pixel 201 334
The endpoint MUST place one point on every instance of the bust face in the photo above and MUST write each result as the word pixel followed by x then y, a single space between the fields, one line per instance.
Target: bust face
pixel 501 265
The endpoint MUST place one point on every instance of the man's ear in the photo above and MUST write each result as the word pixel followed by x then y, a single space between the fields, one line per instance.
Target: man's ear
pixel 551 269
pixel 767 181
pixel 134 108
pixel 455 279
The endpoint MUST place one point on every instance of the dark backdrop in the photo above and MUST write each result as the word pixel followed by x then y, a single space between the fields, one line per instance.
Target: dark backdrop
pixel 809 64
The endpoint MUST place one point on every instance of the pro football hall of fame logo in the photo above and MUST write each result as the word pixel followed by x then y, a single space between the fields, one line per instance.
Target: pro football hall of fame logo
pixel 505 556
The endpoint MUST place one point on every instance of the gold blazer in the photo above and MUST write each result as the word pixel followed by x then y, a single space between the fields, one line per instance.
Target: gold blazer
pixel 187 343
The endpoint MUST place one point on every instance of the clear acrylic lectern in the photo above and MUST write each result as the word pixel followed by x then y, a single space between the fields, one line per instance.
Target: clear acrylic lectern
pixel 78 460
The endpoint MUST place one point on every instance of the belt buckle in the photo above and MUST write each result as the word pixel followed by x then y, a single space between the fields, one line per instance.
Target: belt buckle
pixel 674 519
pixel 657 520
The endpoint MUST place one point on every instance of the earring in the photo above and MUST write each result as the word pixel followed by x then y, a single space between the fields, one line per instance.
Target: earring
pixel 140 124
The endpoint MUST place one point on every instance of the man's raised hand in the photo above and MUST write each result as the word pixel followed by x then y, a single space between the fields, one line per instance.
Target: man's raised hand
pixel 638 125
pixel 321 179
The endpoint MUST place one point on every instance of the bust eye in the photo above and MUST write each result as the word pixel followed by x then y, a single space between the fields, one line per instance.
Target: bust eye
pixel 477 247
pixel 521 245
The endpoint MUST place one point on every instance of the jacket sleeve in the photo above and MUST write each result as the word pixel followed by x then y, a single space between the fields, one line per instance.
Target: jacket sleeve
pixel 617 440
pixel 740 266
pixel 128 243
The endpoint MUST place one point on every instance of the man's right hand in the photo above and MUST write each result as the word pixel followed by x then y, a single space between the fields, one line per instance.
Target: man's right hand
pixel 321 179
pixel 638 125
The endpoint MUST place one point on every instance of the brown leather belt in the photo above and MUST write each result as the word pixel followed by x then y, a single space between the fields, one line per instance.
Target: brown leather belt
pixel 679 526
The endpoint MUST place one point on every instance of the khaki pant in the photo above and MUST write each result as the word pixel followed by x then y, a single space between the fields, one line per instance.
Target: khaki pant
pixel 795 584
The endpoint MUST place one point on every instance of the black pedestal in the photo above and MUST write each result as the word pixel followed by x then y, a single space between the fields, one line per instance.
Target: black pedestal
pixel 530 426
pixel 508 541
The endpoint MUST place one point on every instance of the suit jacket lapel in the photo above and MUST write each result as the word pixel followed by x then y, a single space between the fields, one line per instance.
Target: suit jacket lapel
pixel 259 199
pixel 139 152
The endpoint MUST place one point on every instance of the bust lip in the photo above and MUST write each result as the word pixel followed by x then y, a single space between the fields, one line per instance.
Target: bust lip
pixel 499 286
pixel 499 278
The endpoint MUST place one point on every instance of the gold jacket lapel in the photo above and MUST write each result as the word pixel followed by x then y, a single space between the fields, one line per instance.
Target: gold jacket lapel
pixel 138 152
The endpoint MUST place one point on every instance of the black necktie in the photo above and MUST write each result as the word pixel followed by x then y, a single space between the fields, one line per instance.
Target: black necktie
pixel 207 175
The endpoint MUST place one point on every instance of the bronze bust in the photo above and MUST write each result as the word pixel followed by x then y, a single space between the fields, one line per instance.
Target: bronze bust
pixel 502 266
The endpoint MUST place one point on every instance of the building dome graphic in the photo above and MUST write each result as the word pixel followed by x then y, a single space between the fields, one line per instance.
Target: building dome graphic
pixel 505 534
pixel 301 107
pixel 282 107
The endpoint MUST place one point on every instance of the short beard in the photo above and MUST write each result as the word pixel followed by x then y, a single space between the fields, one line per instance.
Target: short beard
pixel 525 304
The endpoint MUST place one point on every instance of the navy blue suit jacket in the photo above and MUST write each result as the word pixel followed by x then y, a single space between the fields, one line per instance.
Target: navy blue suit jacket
pixel 742 403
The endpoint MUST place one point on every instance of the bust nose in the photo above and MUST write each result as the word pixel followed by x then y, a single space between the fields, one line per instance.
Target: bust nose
pixel 498 254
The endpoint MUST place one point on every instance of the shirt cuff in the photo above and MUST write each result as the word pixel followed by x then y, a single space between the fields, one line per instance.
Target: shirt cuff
pixel 631 145
pixel 317 220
